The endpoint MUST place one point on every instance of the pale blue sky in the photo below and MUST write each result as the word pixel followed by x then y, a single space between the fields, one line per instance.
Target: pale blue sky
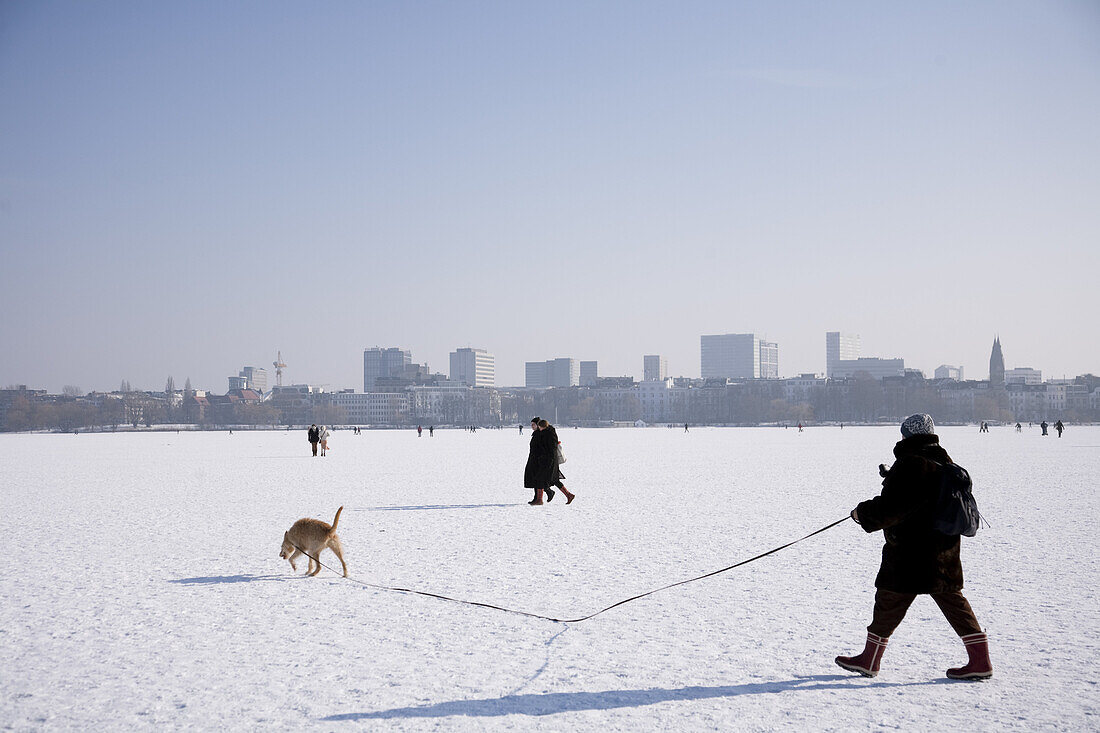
pixel 187 187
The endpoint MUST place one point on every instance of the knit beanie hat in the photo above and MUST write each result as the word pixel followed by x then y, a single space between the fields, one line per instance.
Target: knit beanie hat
pixel 919 424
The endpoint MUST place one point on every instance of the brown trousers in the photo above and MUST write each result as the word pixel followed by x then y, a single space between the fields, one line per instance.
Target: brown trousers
pixel 890 608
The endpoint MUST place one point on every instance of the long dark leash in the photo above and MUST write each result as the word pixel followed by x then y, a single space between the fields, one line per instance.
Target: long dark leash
pixel 581 618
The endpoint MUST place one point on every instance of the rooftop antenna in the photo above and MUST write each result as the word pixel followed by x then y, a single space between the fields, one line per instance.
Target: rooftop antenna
pixel 279 366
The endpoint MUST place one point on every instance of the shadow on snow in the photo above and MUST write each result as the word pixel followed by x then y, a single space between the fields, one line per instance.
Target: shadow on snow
pixel 431 506
pixel 564 702
pixel 216 579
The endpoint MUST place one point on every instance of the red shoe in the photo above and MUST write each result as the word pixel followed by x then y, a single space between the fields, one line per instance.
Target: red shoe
pixel 979 667
pixel 866 663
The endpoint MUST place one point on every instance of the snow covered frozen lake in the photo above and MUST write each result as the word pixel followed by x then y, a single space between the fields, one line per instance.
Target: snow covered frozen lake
pixel 144 588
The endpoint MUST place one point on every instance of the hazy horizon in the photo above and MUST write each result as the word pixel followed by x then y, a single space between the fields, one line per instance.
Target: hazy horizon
pixel 188 188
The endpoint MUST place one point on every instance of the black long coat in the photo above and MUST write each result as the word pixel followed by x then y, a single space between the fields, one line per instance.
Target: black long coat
pixel 916 558
pixel 542 462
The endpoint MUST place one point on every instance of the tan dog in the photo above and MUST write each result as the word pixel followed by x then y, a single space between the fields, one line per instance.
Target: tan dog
pixel 309 537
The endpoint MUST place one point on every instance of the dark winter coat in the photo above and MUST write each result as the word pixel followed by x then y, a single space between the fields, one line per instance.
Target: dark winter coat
pixel 916 558
pixel 314 435
pixel 542 463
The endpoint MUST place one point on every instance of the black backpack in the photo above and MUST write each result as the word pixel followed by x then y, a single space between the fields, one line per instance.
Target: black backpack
pixel 956 511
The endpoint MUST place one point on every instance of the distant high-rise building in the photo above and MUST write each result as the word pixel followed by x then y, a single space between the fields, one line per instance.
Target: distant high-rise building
pixel 562 372
pixel 589 373
pixel 378 363
pixel 946 371
pixel 996 365
pixel 738 356
pixel 769 360
pixel 654 367
pixel 256 378
pixel 534 374
pixel 250 378
pixel 473 367
pixel 840 347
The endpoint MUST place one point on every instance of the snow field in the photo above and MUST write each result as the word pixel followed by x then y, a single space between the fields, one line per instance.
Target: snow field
pixel 145 590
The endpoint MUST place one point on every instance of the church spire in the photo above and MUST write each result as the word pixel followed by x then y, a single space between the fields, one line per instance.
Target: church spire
pixel 997 365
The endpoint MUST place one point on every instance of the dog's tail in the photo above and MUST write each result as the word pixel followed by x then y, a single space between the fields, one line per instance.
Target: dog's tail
pixel 337 520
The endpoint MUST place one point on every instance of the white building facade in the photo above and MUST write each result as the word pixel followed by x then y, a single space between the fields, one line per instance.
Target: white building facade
pixel 473 367
pixel 869 366
pixel 946 371
pixel 562 372
pixel 738 356
pixel 840 347
pixel 1023 375
pixel 372 408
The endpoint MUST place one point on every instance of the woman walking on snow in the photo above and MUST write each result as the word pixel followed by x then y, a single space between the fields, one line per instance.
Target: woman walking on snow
pixel 551 447
pixel 542 463
pixel 532 472
pixel 324 440
pixel 916 559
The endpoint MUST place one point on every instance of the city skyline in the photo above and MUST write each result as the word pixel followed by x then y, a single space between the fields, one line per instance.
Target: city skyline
pixel 406 357
pixel 186 188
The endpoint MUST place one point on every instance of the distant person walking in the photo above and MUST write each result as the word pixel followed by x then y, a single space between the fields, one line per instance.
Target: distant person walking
pixel 419 431
pixel 1019 428
pixel 431 431
pixel 1059 427
pixel 1044 426
pixel 916 559
pixel 685 427
pixel 324 440
pixel 314 436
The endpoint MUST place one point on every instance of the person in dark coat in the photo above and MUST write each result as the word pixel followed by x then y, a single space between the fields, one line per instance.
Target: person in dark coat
pixel 314 436
pixel 555 472
pixel 916 559
pixel 534 473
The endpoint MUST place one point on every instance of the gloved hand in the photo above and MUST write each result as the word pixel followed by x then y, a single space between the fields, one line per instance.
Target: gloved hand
pixel 855 516
pixel 882 470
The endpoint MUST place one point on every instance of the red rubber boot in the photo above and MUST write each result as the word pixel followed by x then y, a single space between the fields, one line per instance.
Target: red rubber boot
pixel 866 663
pixel 979 667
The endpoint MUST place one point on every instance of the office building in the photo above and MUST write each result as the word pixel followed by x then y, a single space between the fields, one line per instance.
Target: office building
pixel 1023 375
pixel 563 372
pixel 946 371
pixel 473 367
pixel 654 367
pixel 589 373
pixel 868 367
pixel 379 363
pixel 769 360
pixel 738 356
pixel 840 347
pixel 255 377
